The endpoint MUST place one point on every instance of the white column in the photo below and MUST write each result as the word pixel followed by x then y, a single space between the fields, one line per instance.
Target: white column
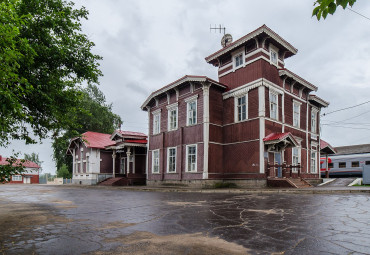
pixel 261 115
pixel 205 128
pixel 128 154
pixel 114 163
pixel 147 148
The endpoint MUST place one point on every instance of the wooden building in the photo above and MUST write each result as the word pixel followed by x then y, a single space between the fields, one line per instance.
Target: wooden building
pixel 30 174
pixel 257 115
pixel 119 157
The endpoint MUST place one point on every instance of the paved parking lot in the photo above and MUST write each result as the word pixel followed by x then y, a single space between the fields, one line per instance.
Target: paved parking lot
pixel 37 219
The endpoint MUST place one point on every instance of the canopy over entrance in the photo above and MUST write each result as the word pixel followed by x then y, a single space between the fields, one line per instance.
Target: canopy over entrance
pixel 280 141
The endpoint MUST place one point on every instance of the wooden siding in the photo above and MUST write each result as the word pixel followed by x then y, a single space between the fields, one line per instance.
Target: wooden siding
pixel 241 158
pixel 215 105
pixel 215 162
pixel 242 131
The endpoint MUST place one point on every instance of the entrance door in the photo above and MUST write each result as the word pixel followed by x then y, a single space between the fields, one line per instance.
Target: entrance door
pixel 27 179
pixel 277 160
pixel 123 164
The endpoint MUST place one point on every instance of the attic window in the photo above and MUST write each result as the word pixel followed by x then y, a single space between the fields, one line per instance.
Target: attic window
pixel 273 57
pixel 238 59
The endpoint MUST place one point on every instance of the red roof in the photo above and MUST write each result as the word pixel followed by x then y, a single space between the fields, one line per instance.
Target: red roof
pixel 131 133
pixel 27 163
pixel 276 136
pixel 97 140
pixel 325 145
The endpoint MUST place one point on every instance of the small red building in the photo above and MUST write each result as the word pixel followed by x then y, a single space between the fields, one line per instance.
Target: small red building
pixel 30 174
pixel 98 156
pixel 258 114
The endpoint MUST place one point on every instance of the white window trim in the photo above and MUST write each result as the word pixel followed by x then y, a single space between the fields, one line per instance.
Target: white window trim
pixel 299 113
pixel 153 161
pixel 168 159
pixel 273 49
pixel 169 109
pixel 313 169
pixel 17 178
pixel 188 101
pixel 157 113
pixel 272 92
pixel 236 54
pixel 196 158
pixel 315 111
pixel 295 170
pixel 236 114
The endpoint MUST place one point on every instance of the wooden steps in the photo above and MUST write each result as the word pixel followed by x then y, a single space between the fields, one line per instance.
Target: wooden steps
pixel 296 183
pixel 118 181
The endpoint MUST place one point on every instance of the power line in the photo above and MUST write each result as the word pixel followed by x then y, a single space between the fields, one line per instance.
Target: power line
pixel 350 107
pixel 341 121
pixel 348 127
pixel 359 14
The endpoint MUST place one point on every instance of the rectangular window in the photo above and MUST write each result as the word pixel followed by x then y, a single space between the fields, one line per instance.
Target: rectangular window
pixel 342 164
pixel 355 164
pixel 17 178
pixel 367 163
pixel 295 158
pixel 273 57
pixel 330 165
pixel 172 119
pixel 191 158
pixel 87 163
pixel 241 108
pixel 192 113
pixel 156 123
pixel 171 160
pixel 155 161
pixel 273 106
pixel 313 121
pixel 296 114
pixel 238 60
pixel 313 162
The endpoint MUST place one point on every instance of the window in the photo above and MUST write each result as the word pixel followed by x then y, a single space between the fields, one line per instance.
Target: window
pixel 241 104
pixel 273 105
pixel 295 158
pixel 273 57
pixel 155 161
pixel 172 119
pixel 313 120
pixel 367 163
pixel 17 178
pixel 342 164
pixel 191 158
pixel 313 162
pixel 296 114
pixel 192 113
pixel 355 164
pixel 156 123
pixel 238 60
pixel 330 165
pixel 87 163
pixel 171 160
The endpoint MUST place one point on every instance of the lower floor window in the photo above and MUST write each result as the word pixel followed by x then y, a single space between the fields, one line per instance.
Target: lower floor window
pixel 17 178
pixel 295 158
pixel 171 160
pixel 155 163
pixel 313 162
pixel 191 158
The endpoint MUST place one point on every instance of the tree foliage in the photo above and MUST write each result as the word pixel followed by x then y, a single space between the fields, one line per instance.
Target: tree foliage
pixel 44 57
pixel 97 116
pixel 63 172
pixel 325 7
pixel 34 157
pixel 14 166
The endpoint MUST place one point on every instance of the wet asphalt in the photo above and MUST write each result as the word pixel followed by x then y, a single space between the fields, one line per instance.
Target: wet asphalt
pixel 39 219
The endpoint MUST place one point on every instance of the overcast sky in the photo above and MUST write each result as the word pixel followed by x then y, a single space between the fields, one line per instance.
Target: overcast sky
pixel 147 44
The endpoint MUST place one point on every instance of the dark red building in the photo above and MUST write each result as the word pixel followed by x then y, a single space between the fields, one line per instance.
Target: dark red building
pixel 98 157
pixel 258 114
pixel 30 174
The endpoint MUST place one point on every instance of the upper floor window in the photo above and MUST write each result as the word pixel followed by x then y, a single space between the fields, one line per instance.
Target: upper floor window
pixel 155 161
pixel 172 117
pixel 238 60
pixel 274 106
pixel 171 160
pixel 191 158
pixel 191 112
pixel 156 123
pixel 313 120
pixel 241 108
pixel 296 114
pixel 273 57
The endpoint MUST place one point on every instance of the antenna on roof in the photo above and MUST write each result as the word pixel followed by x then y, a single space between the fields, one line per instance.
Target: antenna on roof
pixel 220 28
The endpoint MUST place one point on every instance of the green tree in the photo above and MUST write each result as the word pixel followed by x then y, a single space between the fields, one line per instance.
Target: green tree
pixel 34 157
pixel 97 117
pixel 44 59
pixel 13 166
pixel 63 172
pixel 325 7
